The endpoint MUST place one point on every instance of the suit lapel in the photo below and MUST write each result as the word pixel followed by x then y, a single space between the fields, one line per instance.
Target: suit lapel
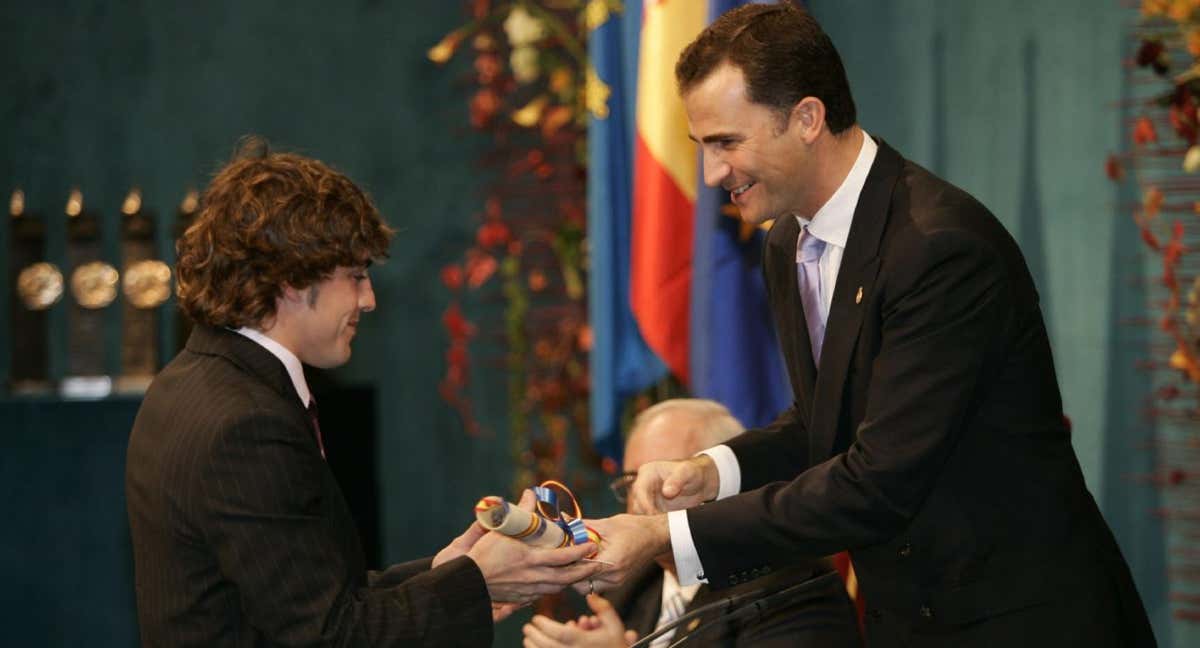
pixel 860 263
pixel 789 316
pixel 247 355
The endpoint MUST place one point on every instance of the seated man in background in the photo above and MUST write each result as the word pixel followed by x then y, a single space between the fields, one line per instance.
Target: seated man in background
pixel 240 533
pixel 653 598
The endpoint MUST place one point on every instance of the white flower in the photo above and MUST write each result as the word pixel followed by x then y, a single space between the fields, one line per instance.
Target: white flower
pixel 1191 161
pixel 522 28
pixel 524 62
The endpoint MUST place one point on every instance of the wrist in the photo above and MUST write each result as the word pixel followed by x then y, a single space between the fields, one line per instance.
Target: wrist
pixel 710 477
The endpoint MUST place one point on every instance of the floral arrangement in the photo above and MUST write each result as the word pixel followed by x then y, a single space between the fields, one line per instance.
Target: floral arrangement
pixel 1164 160
pixel 1163 163
pixel 534 91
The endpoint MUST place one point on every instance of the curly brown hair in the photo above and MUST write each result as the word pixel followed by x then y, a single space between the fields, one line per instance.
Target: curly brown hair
pixel 268 220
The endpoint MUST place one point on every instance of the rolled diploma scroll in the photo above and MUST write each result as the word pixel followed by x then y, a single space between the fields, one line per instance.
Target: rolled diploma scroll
pixel 497 514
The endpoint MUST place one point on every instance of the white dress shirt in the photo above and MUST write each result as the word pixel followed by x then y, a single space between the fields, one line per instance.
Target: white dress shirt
pixel 290 362
pixel 831 224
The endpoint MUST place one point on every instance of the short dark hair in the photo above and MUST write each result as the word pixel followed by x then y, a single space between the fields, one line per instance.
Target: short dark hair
pixel 266 220
pixel 784 55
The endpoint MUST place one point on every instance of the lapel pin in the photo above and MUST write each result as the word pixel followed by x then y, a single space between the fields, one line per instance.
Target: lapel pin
pixel 693 625
pixel 858 297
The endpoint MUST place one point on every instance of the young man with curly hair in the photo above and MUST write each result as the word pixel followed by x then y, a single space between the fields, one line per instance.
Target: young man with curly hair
pixel 241 536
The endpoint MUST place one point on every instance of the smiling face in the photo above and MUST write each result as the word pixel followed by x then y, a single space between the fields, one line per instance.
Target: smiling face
pixel 761 157
pixel 324 317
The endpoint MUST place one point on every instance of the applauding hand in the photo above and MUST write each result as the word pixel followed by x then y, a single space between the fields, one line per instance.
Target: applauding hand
pixel 602 629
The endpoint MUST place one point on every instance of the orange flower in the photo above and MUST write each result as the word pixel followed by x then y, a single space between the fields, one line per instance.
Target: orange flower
pixel 1143 131
pixel 1154 7
pixel 1152 202
pixel 554 119
pixel 442 52
pixel 537 280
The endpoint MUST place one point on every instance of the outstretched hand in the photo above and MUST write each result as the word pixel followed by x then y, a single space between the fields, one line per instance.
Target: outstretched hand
pixel 630 541
pixel 602 629
pixel 663 486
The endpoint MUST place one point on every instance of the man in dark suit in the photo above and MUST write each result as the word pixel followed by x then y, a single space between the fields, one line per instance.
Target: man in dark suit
pixel 927 434
pixel 240 533
pixel 652 598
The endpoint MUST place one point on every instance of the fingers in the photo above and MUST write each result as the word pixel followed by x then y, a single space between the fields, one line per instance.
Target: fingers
pixel 645 488
pixel 501 611
pixel 472 534
pixel 679 481
pixel 605 612
pixel 566 555
pixel 542 632
pixel 528 500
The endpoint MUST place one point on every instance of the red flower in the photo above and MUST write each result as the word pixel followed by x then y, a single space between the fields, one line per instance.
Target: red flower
pixel 1113 168
pixel 1152 53
pixel 1182 114
pixel 484 105
pixel 452 276
pixel 1151 239
pixel 537 280
pixel 480 268
pixel 493 234
pixel 487 67
pixel 1143 131
pixel 455 324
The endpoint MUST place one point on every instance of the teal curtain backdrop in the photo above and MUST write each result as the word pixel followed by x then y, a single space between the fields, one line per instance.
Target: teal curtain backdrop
pixel 1012 100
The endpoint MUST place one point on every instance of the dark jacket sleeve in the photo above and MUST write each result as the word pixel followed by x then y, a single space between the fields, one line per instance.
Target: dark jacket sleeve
pixel 270 524
pixel 943 320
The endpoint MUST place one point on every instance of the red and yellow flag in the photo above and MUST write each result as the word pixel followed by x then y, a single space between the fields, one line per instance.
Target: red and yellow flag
pixel 664 186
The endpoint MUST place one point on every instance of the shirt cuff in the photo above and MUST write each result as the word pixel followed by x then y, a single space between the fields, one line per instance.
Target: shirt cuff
pixel 687 561
pixel 729 473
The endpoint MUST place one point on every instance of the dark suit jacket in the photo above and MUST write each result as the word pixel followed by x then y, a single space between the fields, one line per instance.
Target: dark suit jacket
pixel 930 441
pixel 240 533
pixel 821 618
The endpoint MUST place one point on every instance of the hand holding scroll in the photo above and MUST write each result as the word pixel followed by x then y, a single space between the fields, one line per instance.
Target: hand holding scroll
pixel 517 572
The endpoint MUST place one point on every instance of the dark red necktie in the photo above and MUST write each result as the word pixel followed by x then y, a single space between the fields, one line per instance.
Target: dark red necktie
pixel 312 416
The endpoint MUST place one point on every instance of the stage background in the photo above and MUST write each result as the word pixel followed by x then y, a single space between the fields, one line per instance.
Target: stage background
pixel 1012 100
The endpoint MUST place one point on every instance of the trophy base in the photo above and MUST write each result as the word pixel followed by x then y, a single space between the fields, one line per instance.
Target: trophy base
pixel 134 385
pixel 85 387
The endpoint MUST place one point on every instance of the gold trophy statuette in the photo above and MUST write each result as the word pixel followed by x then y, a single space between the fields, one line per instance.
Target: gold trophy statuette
pixel 94 284
pixel 147 284
pixel 40 286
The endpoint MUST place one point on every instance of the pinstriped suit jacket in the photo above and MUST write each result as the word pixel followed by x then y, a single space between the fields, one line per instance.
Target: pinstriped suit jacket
pixel 240 533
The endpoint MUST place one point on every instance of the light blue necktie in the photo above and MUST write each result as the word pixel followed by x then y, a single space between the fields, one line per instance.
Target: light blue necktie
pixel 808 270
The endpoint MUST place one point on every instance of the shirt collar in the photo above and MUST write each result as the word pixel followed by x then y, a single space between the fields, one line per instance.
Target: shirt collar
pixel 832 221
pixel 290 361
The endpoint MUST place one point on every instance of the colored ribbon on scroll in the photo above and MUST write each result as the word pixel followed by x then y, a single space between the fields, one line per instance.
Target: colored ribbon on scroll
pixel 556 522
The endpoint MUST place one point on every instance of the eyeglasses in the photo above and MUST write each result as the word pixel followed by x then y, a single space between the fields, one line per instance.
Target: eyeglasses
pixel 620 486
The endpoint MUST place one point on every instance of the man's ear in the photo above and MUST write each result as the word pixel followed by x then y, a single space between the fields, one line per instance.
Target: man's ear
pixel 291 297
pixel 288 293
pixel 808 116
